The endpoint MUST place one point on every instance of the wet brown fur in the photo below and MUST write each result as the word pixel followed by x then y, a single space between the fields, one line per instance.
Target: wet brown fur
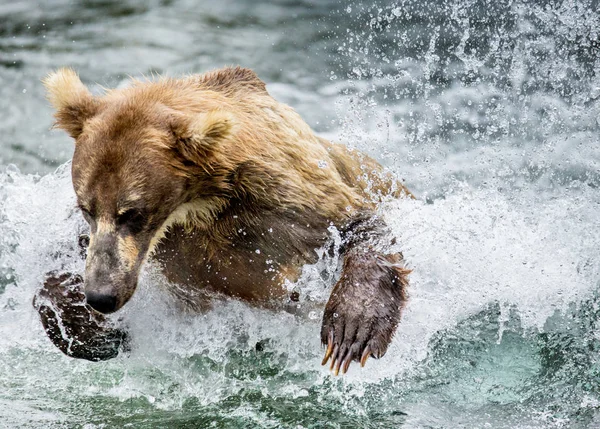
pixel 228 189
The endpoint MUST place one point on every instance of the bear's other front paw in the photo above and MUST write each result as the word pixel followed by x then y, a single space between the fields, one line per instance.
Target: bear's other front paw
pixel 363 311
pixel 72 325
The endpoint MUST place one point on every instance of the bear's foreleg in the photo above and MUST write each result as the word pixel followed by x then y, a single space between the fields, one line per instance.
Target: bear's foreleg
pixel 364 308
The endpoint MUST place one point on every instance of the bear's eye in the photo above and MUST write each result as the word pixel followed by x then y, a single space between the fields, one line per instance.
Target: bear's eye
pixel 87 215
pixel 133 219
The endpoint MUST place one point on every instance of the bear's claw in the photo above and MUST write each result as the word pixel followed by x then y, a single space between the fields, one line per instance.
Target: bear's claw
pixel 337 361
pixel 365 356
pixel 341 354
pixel 329 350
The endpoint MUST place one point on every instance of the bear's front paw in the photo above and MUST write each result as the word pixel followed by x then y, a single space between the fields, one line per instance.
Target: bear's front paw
pixel 363 311
pixel 72 325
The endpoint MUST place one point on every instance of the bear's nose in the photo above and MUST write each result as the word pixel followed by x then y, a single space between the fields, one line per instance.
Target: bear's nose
pixel 101 302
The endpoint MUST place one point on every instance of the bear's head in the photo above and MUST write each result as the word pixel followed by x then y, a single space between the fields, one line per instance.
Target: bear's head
pixel 138 167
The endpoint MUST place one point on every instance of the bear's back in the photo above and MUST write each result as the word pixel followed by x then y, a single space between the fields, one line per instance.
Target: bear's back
pixel 355 169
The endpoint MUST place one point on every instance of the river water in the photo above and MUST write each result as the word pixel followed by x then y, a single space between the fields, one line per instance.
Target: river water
pixel 488 110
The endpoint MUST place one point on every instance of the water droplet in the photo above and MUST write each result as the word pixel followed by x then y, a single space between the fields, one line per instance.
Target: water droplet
pixel 12 169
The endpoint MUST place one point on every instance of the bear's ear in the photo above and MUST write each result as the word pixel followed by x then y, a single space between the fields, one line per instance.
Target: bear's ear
pixel 72 100
pixel 197 136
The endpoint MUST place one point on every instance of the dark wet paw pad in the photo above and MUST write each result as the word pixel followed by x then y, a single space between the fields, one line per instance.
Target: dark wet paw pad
pixel 72 325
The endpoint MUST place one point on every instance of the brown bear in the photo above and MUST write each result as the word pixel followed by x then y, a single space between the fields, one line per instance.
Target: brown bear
pixel 231 193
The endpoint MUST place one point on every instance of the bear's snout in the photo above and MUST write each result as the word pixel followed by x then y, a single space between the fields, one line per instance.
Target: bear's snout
pixel 102 303
pixel 111 269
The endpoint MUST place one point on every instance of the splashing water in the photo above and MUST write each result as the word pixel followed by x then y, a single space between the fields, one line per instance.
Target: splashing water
pixel 489 111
